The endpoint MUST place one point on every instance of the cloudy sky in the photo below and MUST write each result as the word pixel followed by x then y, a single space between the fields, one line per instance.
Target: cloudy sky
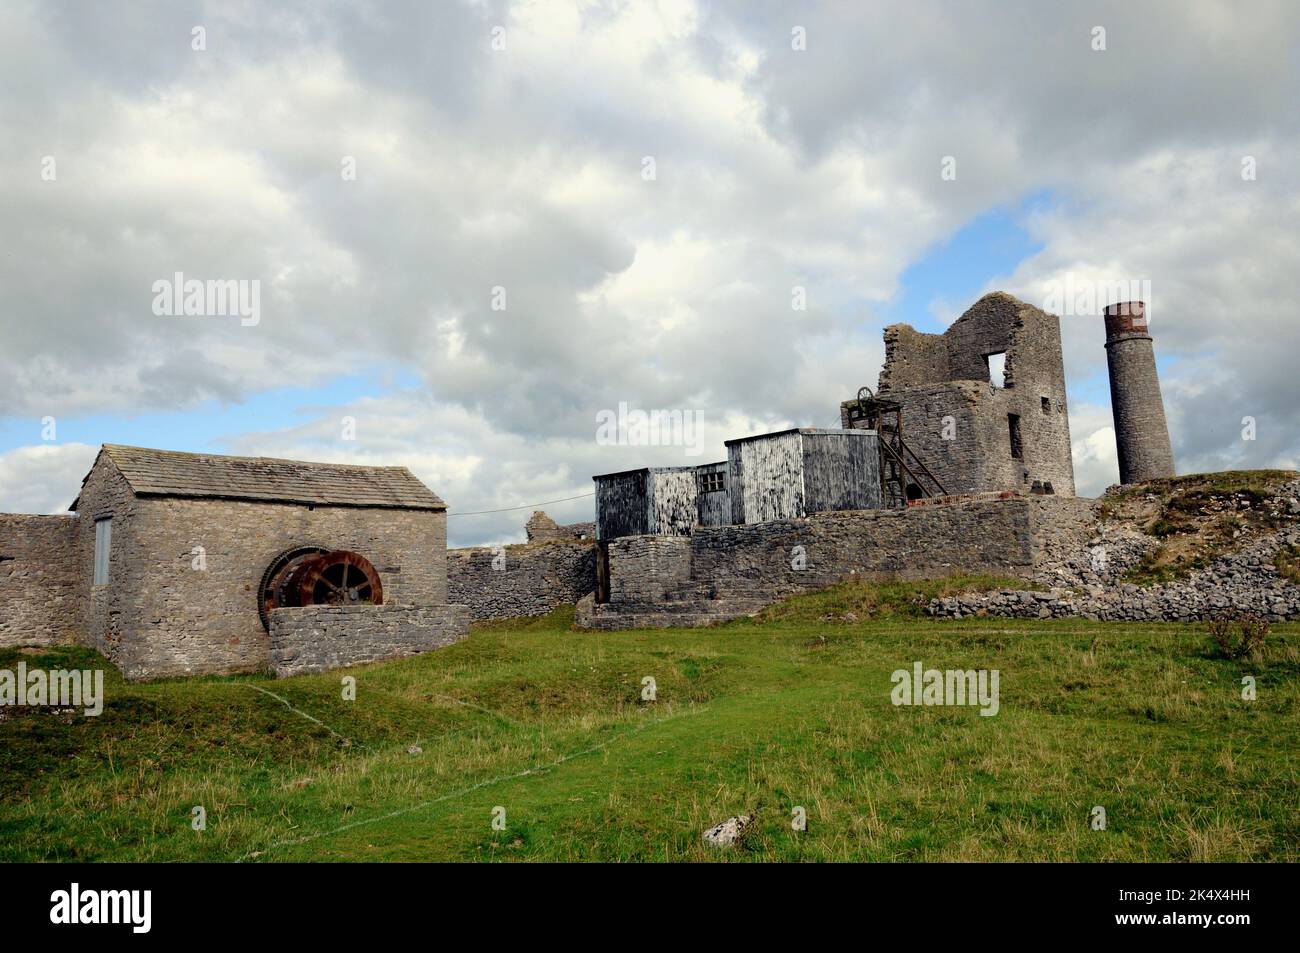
pixel 641 185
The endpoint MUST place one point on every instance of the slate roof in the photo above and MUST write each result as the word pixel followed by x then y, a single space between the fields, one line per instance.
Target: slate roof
pixel 265 479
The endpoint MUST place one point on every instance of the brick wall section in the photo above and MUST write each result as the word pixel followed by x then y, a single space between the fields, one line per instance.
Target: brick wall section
pixel 160 617
pixel 535 579
pixel 39 582
pixel 726 571
pixel 319 638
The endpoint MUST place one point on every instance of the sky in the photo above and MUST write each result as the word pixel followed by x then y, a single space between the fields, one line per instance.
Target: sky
pixel 475 228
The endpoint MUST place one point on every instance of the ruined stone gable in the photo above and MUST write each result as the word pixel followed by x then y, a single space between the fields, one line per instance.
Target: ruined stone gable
pixel 975 434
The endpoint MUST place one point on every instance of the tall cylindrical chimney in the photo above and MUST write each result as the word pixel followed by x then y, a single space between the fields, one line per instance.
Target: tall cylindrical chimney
pixel 1141 434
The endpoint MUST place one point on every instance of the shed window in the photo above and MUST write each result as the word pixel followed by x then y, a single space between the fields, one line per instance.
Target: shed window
pixel 1013 427
pixel 712 481
pixel 103 543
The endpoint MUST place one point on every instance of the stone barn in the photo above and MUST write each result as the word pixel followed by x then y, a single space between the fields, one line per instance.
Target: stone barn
pixel 183 563
pixel 983 403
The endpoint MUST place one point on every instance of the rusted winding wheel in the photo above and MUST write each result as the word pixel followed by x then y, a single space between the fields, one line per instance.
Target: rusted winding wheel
pixel 314 576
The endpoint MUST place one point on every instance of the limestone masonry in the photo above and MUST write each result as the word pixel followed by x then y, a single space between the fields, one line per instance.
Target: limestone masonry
pixel 557 567
pixel 316 638
pixel 959 462
pixel 977 434
pixel 174 561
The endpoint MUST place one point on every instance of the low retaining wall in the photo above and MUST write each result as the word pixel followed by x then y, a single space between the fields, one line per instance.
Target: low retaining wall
pixel 40 596
pixel 1245 581
pixel 512 581
pixel 722 572
pixel 319 638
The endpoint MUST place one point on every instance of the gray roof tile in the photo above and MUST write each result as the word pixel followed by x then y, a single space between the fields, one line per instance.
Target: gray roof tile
pixel 171 473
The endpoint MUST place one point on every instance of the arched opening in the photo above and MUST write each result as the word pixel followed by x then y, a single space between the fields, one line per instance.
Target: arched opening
pixel 314 576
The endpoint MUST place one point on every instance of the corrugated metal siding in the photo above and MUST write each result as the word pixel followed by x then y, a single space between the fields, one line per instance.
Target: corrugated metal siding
pixel 621 508
pixel 713 509
pixel 673 508
pixel 840 472
pixel 771 478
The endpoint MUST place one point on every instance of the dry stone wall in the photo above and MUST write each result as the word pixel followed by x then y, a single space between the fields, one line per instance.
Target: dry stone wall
pixel 39 586
pixel 319 638
pixel 514 581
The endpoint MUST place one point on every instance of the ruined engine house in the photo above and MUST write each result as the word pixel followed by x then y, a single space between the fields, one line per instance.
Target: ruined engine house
pixel 982 405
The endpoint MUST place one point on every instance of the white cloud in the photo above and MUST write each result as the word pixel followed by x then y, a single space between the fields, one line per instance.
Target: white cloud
pixel 522 169
pixel 43 478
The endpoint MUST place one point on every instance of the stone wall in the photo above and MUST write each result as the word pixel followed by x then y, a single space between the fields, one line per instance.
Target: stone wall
pixel 1246 581
pixel 540 528
pixel 39 580
pixel 726 571
pixel 161 615
pixel 319 638
pixel 110 610
pixel 513 581
pixel 938 376
pixel 919 542
pixel 644 569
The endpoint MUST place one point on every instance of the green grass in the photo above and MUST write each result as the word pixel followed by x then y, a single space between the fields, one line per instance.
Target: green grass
pixel 753 717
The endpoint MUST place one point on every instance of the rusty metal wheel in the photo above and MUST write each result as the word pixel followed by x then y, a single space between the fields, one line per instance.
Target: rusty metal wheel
pixel 316 576
pixel 271 593
pixel 338 578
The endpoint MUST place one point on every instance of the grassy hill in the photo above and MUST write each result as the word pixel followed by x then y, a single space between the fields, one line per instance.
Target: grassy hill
pixel 753 717
pixel 1199 517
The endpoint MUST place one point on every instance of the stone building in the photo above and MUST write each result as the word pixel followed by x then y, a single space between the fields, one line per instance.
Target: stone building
pixel 975 433
pixel 1141 434
pixel 182 563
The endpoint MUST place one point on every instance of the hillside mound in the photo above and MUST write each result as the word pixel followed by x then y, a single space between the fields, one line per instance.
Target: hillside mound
pixel 1191 521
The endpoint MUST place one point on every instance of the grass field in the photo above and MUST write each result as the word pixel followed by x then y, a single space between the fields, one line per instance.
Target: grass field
pixel 758 717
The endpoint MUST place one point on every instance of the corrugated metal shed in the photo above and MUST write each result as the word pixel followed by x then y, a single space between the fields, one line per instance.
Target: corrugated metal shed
pixel 714 500
pixel 657 501
pixel 794 473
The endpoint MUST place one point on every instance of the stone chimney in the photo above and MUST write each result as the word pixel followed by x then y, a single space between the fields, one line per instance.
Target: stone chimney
pixel 1141 434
